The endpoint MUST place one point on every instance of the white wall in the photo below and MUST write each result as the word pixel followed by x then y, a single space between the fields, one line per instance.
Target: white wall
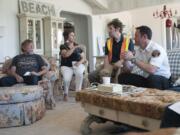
pixel 75 6
pixel 9 43
pixel 144 16
pixel 81 27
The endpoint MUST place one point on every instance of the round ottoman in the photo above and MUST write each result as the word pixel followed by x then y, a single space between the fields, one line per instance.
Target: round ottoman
pixel 22 105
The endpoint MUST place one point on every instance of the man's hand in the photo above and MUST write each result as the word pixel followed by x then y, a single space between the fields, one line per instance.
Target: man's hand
pixel 128 55
pixel 119 64
pixel 19 79
pixel 5 97
pixel 35 73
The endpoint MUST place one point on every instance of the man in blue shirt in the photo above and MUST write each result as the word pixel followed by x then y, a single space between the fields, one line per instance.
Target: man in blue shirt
pixel 23 63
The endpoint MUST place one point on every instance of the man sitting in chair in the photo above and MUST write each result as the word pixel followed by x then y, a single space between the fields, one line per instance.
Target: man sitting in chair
pixel 116 44
pixel 151 59
pixel 26 67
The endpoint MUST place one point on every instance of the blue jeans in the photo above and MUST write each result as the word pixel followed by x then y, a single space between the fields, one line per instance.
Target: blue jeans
pixel 11 80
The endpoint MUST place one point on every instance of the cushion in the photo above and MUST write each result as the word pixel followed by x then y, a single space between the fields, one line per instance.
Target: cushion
pixel 46 61
pixel 174 62
pixel 6 66
pixel 20 94
pixel 177 82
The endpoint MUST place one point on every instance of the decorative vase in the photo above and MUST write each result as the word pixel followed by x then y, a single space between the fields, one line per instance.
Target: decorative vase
pixel 168 23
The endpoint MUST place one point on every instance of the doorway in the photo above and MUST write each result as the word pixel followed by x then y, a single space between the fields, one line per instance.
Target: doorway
pixel 81 25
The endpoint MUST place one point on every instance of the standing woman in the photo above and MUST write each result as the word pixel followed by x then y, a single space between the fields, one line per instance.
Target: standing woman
pixel 72 59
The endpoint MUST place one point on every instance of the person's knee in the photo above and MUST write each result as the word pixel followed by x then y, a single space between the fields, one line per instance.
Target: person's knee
pixel 35 80
pixel 93 76
pixel 122 78
pixel 79 74
pixel 152 78
pixel 3 81
pixel 67 78
pixel 7 81
pixel 32 80
pixel 154 81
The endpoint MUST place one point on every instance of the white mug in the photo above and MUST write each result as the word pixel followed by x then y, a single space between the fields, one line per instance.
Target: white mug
pixel 106 80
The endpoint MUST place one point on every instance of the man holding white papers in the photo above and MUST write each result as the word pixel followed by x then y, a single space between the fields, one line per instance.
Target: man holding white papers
pixel 26 67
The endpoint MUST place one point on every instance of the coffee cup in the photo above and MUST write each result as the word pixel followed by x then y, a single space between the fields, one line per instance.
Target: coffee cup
pixel 106 80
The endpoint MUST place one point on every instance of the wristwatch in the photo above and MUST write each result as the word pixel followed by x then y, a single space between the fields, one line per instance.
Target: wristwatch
pixel 133 60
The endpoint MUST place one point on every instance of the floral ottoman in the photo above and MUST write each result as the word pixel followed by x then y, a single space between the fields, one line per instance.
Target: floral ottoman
pixel 21 105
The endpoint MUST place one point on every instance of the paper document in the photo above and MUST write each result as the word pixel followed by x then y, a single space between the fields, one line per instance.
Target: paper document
pixel 175 107
pixel 27 73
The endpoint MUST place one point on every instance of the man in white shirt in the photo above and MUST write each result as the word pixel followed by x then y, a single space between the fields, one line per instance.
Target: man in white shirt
pixel 151 58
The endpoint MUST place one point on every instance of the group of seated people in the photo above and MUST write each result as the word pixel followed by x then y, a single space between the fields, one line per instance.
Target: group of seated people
pixel 149 57
pixel 120 54
pixel 72 62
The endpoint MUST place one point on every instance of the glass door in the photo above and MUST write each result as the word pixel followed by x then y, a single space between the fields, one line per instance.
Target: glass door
pixel 60 34
pixel 38 34
pixel 35 34
pixel 54 36
pixel 30 30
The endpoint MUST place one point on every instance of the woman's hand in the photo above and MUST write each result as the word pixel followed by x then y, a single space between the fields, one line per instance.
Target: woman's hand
pixel 77 64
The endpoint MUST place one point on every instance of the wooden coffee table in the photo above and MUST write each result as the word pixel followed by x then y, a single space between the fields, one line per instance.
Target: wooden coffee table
pixel 140 109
